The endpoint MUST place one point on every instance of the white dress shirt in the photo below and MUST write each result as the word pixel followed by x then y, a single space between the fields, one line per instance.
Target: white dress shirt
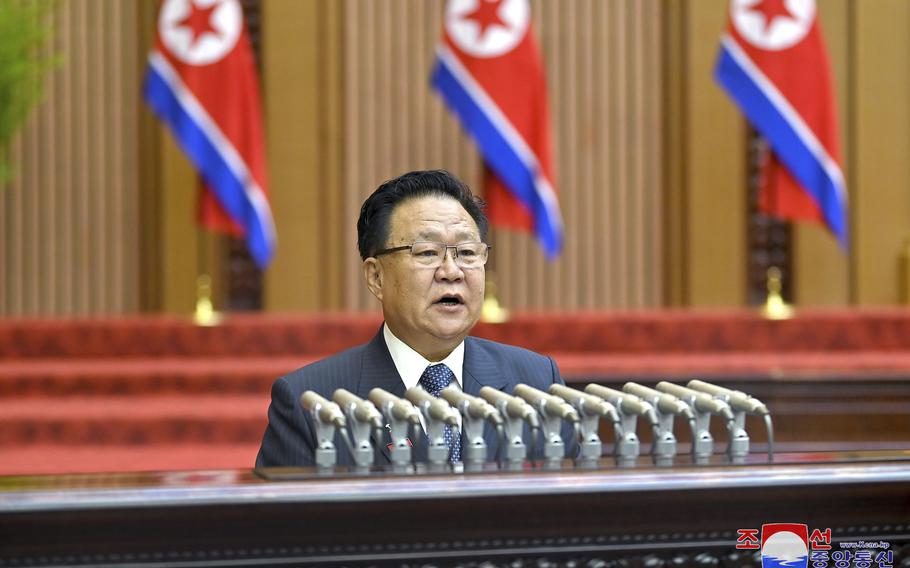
pixel 411 364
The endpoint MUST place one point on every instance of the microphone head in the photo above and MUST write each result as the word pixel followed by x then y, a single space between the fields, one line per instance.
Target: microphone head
pixel 362 410
pixel 473 406
pixel 552 405
pixel 629 403
pixel 640 390
pixel 514 406
pixel 326 411
pixel 432 407
pixel 398 407
pixel 736 399
pixel 586 403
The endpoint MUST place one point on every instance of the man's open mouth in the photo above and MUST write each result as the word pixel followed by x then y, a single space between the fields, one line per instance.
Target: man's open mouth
pixel 449 300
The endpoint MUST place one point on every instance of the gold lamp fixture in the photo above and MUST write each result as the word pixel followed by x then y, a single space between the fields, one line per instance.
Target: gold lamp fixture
pixel 492 311
pixel 205 313
pixel 775 307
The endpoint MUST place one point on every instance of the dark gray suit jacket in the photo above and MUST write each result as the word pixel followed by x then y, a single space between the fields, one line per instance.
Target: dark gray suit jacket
pixel 290 438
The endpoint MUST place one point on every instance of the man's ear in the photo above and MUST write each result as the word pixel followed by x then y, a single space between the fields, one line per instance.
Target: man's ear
pixel 372 273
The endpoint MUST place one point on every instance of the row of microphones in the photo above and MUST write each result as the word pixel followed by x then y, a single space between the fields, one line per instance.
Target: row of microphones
pixel 528 417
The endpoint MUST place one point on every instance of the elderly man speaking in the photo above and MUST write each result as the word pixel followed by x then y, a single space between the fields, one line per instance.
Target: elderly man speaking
pixel 422 238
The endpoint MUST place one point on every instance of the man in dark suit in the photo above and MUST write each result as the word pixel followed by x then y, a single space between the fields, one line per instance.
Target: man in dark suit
pixel 422 238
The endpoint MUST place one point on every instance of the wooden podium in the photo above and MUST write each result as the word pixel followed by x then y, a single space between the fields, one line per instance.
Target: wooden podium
pixel 640 516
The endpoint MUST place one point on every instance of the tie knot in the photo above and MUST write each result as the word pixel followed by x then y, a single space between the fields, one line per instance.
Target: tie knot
pixel 435 378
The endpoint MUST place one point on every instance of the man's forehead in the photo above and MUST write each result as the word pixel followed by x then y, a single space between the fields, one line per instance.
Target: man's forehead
pixel 432 215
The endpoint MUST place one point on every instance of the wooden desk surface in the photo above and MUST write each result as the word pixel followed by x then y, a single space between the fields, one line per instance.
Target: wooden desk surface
pixel 297 516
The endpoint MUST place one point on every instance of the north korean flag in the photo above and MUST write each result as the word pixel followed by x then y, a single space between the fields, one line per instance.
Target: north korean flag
pixel 774 65
pixel 201 82
pixel 490 73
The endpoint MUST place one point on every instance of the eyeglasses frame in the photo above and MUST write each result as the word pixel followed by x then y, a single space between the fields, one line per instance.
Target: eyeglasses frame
pixel 444 255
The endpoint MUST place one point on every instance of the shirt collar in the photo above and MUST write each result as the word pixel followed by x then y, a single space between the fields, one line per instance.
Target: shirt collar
pixel 411 364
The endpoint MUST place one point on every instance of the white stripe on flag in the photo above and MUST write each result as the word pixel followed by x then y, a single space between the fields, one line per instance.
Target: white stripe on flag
pixel 790 115
pixel 224 146
pixel 504 126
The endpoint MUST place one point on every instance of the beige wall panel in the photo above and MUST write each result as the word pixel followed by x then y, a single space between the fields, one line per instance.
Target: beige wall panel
pixel 148 168
pixel 70 223
pixel 675 104
pixel 331 137
pixel 180 237
pixel 291 53
pixel 820 266
pixel 881 200
pixel 715 170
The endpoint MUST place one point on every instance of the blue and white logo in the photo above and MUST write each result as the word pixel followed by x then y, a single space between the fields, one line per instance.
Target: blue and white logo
pixel 784 545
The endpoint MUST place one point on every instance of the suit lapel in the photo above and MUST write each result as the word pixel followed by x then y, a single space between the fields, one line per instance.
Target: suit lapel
pixel 378 369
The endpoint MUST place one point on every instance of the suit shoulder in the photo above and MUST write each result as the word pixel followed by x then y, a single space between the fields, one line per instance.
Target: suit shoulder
pixel 325 375
pixel 510 352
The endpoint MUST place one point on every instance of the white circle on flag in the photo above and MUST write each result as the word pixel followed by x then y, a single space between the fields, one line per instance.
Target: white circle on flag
pixel 786 546
pixel 220 23
pixel 503 25
pixel 782 31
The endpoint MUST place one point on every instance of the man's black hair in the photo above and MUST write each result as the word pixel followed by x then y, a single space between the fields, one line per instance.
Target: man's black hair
pixel 376 213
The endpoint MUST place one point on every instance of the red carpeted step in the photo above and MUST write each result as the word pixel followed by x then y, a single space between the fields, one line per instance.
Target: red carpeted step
pixel 646 332
pixel 134 377
pixel 68 458
pixel 209 419
pixel 255 335
pixel 880 364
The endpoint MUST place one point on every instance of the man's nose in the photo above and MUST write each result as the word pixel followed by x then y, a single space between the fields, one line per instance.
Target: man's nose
pixel 449 268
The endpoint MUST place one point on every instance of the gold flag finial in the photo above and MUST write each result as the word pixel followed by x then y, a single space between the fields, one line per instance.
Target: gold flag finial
pixel 775 307
pixel 492 311
pixel 205 313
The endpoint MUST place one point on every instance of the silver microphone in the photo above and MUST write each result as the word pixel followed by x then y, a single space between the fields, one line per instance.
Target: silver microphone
pixel 514 406
pixel 703 404
pixel 628 403
pixel 629 407
pixel 666 402
pixel 398 408
pixel 737 399
pixel 362 410
pixel 327 411
pixel 701 401
pixel 664 446
pixel 742 403
pixel 590 408
pixel 474 407
pixel 515 413
pixel 584 402
pixel 551 404
pixel 475 411
pixel 553 411
pixel 435 408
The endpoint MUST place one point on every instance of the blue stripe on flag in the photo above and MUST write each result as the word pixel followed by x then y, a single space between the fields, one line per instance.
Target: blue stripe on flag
pixel 803 164
pixel 210 164
pixel 500 155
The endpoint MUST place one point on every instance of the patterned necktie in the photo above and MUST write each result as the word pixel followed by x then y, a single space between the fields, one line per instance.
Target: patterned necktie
pixel 434 379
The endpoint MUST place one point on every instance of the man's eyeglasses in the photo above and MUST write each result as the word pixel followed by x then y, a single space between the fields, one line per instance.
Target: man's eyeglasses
pixel 425 253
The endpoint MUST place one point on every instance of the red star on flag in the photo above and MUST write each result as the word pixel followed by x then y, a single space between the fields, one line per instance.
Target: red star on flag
pixel 199 21
pixel 772 9
pixel 486 14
